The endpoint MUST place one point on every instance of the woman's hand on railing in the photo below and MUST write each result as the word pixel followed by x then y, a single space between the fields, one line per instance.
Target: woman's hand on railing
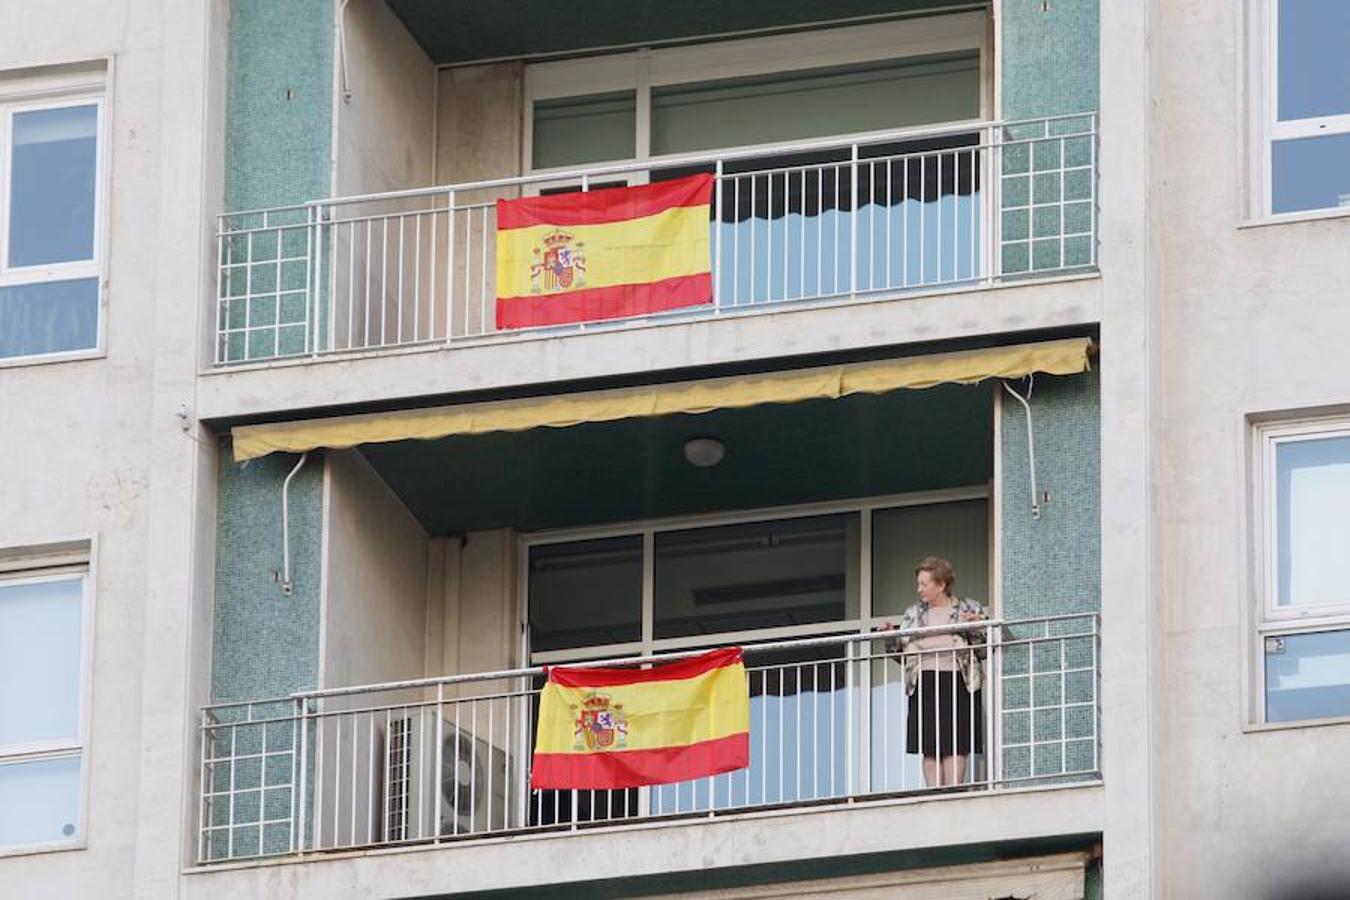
pixel 891 644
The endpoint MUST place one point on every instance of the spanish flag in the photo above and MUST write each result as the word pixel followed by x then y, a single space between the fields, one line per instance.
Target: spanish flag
pixel 623 728
pixel 603 254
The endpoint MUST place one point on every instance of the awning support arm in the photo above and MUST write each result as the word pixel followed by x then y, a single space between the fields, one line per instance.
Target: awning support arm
pixel 286 587
pixel 1031 442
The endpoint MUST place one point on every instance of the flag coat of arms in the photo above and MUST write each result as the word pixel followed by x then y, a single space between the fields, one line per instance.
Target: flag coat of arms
pixel 603 254
pixel 621 728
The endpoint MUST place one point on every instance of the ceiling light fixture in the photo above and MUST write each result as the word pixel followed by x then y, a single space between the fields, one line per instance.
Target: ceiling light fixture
pixel 704 452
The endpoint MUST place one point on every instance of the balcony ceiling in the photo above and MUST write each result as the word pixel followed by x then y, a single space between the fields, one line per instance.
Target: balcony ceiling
pixel 635 469
pixel 510 29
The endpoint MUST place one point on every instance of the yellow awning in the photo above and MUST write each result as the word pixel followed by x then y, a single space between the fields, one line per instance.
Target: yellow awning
pixel 1064 357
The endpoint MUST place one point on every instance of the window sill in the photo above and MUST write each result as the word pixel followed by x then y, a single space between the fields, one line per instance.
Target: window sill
pixel 45 359
pixel 1257 727
pixel 1312 215
pixel 50 847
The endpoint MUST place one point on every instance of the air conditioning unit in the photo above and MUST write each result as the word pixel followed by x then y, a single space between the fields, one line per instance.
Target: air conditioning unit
pixel 474 782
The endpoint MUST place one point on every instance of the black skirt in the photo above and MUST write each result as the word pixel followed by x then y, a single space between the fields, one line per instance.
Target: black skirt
pixel 944 718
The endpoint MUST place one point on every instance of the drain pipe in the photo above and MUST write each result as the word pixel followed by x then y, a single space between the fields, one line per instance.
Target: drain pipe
pixel 286 587
pixel 1031 442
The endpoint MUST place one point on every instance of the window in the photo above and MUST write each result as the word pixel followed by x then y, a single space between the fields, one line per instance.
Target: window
pixel 1307 105
pixel 51 199
pixel 572 130
pixel 826 217
pixel 758 575
pixel 724 579
pixel 1304 621
pixel 43 628
pixel 586 593
pixel 756 91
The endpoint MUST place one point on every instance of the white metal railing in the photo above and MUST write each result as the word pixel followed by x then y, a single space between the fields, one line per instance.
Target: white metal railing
pixel 447 759
pixel 906 211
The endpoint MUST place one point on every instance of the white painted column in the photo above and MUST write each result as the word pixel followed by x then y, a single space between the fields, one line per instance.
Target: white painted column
pixel 1131 416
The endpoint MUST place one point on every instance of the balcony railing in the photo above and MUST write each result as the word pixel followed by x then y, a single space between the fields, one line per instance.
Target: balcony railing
pixel 447 759
pixel 822 222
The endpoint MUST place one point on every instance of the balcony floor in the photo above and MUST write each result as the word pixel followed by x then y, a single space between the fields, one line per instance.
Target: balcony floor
pixel 641 350
pixel 794 841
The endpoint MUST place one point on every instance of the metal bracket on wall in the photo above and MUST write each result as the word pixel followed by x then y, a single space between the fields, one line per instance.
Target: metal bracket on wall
pixel 1031 443
pixel 287 588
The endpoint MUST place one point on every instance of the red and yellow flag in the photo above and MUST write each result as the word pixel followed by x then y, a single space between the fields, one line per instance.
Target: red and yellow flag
pixel 622 728
pixel 603 254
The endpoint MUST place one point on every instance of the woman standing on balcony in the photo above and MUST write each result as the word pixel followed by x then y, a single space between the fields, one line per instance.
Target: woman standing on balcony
pixel 943 675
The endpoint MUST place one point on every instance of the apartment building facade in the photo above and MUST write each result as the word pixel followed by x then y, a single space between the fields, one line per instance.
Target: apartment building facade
pixel 295 521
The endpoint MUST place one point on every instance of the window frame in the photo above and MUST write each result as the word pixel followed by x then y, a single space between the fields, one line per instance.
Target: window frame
pixel 1270 620
pixel 85 86
pixel 643 70
pixel 1272 129
pixel 34 570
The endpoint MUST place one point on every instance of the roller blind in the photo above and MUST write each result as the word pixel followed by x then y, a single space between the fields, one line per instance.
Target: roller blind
pixel 575 130
pixel 815 103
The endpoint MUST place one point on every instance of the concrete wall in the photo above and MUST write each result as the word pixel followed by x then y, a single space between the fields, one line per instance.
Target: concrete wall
pixel 94 449
pixel 1046 878
pixel 481 617
pixel 1254 322
pixel 479 124
pixel 385 141
pixel 1132 598
pixel 375 594
pixel 386 121
pixel 765 848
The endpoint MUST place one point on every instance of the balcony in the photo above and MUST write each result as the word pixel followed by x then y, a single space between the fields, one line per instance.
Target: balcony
pixel 446 760
pixel 877 217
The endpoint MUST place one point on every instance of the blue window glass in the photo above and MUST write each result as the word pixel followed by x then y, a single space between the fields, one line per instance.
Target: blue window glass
pixel 40 656
pixel 1310 173
pixel 53 171
pixel 39 801
pixel 40 664
pixel 1312 490
pixel 48 317
pixel 1314 65
pixel 1307 676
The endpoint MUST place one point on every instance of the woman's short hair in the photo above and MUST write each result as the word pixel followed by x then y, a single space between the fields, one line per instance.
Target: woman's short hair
pixel 939 569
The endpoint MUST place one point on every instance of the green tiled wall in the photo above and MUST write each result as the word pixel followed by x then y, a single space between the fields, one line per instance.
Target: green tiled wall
pixel 279 113
pixel 266 644
pixel 1050 59
pixel 1051 566
pixel 1050 67
pixel 279 107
